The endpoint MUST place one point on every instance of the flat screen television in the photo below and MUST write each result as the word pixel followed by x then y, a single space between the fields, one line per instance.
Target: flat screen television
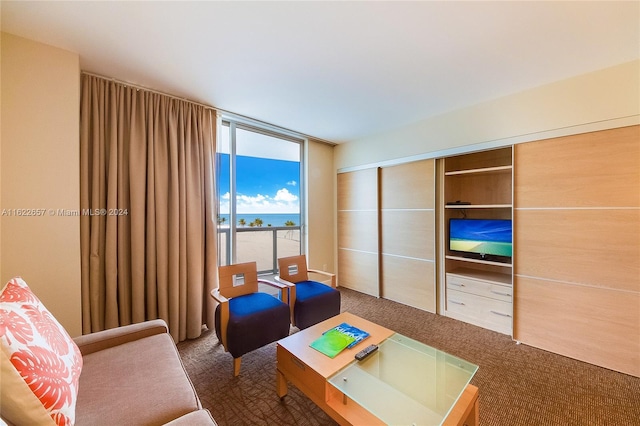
pixel 481 237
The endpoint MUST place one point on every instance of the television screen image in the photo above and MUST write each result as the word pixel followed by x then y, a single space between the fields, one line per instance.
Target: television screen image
pixel 481 236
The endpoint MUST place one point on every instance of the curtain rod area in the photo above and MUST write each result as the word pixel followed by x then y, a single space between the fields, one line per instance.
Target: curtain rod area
pixel 229 114
pixel 146 89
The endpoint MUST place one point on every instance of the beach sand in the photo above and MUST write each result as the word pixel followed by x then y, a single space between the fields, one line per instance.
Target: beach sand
pixel 258 245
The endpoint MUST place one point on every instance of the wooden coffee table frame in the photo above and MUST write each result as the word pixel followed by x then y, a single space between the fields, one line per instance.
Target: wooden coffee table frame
pixel 309 371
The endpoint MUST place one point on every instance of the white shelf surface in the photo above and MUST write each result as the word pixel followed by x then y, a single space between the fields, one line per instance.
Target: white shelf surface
pixel 478 206
pixel 481 170
pixel 501 278
pixel 481 261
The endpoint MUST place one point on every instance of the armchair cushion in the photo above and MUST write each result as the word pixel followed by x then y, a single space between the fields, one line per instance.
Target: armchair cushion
pixel 250 304
pixel 255 320
pixel 41 364
pixel 309 289
pixel 315 302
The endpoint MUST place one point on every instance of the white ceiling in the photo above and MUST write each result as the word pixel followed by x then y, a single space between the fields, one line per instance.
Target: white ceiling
pixel 335 70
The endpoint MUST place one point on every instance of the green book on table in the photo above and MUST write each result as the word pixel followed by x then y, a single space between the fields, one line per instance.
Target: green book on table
pixel 333 341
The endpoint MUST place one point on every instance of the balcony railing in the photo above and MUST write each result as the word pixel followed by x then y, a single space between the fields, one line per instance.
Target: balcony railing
pixel 264 245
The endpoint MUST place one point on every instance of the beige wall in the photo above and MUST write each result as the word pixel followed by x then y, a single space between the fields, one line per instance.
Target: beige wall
pixel 321 208
pixel 40 169
pixel 599 100
pixel 1 274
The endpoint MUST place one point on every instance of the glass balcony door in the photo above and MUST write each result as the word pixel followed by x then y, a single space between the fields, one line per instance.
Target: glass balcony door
pixel 260 197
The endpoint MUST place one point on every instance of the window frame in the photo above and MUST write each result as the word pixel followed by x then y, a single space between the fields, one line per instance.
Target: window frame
pixel 233 124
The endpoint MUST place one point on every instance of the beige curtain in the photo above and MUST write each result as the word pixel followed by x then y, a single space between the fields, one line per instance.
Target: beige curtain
pixel 148 238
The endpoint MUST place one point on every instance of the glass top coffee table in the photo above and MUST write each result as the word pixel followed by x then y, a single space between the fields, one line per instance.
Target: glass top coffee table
pixel 403 382
pixel 406 382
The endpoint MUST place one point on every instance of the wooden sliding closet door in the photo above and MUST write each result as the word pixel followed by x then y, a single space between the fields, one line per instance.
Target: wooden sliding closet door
pixel 407 209
pixel 577 242
pixel 358 251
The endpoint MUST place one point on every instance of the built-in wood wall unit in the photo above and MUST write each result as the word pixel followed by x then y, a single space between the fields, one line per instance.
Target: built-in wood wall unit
pixel 386 232
pixel 475 289
pixel 577 247
pixel 407 219
pixel 358 231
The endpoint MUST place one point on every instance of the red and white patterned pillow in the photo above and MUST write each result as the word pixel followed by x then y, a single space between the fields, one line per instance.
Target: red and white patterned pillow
pixel 41 364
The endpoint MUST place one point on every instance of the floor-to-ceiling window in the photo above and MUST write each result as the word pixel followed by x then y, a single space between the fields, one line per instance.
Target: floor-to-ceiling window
pixel 260 196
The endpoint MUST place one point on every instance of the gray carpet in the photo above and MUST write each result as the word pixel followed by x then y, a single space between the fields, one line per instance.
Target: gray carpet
pixel 519 385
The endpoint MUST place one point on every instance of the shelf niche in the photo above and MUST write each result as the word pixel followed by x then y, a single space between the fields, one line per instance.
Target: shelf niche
pixel 477 185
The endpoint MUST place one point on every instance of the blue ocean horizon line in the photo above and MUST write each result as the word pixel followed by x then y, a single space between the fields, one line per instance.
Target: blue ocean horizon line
pixel 273 219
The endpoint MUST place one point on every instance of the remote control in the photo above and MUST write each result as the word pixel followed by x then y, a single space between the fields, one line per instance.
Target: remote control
pixel 366 352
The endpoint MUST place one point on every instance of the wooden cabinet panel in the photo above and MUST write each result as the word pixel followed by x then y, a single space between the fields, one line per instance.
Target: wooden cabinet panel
pixel 408 186
pixel 400 224
pixel 358 271
pixel 409 233
pixel 358 190
pixel 577 245
pixel 596 325
pixel 599 169
pixel 357 230
pixel 409 281
pixel 596 247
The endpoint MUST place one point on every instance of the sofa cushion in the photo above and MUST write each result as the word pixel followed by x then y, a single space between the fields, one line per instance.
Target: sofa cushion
pixel 41 364
pixel 139 382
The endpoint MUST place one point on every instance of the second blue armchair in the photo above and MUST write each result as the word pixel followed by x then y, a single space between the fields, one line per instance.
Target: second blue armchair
pixel 311 301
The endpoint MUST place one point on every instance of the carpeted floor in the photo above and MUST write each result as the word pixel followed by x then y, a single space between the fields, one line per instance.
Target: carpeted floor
pixel 519 385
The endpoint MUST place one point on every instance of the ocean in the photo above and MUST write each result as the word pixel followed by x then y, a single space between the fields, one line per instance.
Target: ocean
pixel 272 219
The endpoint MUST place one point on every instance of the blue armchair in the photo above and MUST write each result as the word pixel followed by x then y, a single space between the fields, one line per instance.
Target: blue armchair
pixel 246 319
pixel 311 301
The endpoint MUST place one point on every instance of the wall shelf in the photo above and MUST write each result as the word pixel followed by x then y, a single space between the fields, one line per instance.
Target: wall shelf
pixel 479 261
pixel 481 170
pixel 477 206
pixel 475 290
pixel 498 277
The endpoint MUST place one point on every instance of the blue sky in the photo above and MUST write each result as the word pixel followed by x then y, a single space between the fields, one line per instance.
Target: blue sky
pixel 267 175
pixel 263 185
